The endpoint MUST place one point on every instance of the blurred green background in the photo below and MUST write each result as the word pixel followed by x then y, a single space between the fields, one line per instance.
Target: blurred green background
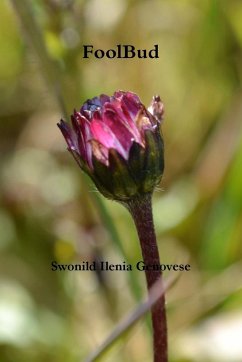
pixel 50 211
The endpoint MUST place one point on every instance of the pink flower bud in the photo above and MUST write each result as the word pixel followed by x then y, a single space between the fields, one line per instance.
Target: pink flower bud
pixel 117 141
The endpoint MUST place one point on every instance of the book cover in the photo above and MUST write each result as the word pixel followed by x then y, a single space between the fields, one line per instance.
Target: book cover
pixel 147 95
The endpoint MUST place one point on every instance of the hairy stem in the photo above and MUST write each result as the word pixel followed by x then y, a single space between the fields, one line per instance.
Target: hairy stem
pixel 141 211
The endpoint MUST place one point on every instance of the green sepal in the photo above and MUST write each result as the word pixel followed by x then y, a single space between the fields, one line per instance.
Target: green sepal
pixel 102 178
pixel 154 159
pixel 124 186
pixel 83 165
pixel 136 163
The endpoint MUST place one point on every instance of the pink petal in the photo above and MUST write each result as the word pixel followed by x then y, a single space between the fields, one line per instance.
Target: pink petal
pixel 104 99
pixel 117 126
pixel 124 116
pixel 103 134
pixel 69 135
pixel 84 136
pixel 131 104
pixel 132 96
pixel 100 152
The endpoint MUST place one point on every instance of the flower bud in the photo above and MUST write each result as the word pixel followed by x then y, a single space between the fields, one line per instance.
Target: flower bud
pixel 118 143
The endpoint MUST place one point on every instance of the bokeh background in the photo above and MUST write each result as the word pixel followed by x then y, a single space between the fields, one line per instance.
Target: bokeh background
pixel 50 211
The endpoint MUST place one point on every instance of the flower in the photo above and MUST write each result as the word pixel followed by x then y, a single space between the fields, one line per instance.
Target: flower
pixel 118 143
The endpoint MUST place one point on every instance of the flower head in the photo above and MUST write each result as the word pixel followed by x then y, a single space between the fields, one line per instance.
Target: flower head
pixel 117 141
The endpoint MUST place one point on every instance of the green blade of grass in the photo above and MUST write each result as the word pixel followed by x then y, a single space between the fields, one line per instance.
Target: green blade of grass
pixel 158 289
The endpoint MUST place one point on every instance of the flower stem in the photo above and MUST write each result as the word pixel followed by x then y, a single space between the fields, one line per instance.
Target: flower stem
pixel 141 211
